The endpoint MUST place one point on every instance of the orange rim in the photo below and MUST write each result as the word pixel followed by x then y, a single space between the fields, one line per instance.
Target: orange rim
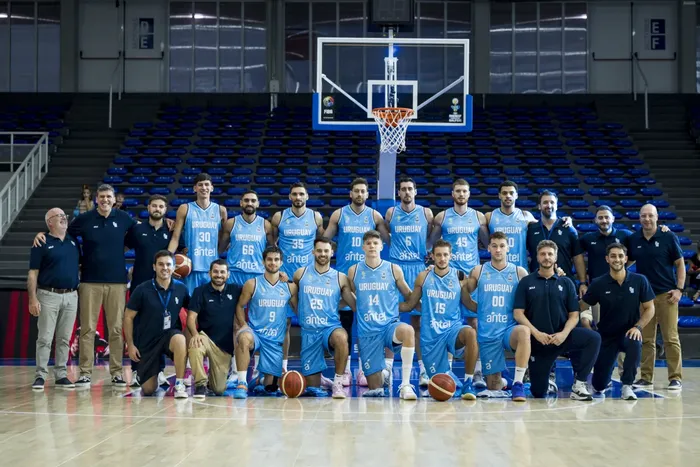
pixel 392 115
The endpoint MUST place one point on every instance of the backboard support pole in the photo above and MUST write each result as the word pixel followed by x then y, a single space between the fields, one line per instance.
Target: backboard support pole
pixel 386 170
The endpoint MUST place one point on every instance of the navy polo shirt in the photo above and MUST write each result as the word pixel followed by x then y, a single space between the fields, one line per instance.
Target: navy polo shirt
pixel 146 241
pixel 595 245
pixel 655 257
pixel 146 302
pixel 215 313
pixel 58 262
pixel 566 239
pixel 547 302
pixel 103 245
pixel 619 303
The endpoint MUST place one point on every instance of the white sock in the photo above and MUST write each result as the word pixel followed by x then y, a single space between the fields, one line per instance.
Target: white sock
pixel 187 365
pixel 406 363
pixel 242 377
pixel 450 357
pixel 234 369
pixel 347 367
pixel 180 381
pixel 389 362
pixel 338 379
pixel 519 374
pixel 284 364
pixel 421 367
pixel 256 360
pixel 477 367
pixel 468 377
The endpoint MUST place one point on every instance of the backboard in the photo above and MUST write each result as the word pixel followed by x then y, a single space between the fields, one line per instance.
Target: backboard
pixel 355 75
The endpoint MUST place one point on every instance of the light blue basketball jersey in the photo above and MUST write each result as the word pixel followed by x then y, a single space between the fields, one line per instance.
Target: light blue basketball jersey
pixel 201 232
pixel 409 232
pixel 267 309
pixel 377 297
pixel 296 240
pixel 515 228
pixel 440 301
pixel 319 295
pixel 495 295
pixel 462 231
pixel 351 229
pixel 248 240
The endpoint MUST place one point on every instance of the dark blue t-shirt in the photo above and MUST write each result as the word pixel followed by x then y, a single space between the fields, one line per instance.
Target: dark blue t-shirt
pixel 619 303
pixel 595 245
pixel 58 262
pixel 655 258
pixel 567 241
pixel 147 301
pixel 215 313
pixel 547 302
pixel 103 245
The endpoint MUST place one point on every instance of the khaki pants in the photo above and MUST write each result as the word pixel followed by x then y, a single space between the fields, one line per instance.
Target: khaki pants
pixel 219 364
pixel 113 298
pixel 667 317
pixel 57 316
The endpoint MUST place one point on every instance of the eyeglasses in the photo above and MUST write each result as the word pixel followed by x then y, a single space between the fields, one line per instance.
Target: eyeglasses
pixel 62 216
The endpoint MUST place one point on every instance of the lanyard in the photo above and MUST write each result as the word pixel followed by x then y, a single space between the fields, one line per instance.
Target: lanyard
pixel 162 301
pixel 547 233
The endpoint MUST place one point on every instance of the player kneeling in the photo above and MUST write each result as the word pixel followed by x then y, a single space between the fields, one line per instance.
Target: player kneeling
pixel 495 283
pixel 377 285
pixel 267 297
pixel 158 303
pixel 440 292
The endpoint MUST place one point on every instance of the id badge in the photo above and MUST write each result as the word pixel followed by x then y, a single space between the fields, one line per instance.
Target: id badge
pixel 166 322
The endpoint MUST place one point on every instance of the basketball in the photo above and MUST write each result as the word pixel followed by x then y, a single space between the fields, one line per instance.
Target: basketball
pixel 293 384
pixel 183 266
pixel 442 387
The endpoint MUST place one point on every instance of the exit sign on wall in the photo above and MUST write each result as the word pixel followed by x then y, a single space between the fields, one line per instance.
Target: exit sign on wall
pixel 655 34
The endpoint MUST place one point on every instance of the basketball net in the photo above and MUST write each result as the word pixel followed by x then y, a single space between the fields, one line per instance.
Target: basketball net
pixel 392 123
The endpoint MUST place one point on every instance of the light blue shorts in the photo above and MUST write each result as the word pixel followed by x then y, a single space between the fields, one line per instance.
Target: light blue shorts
pixel 270 353
pixel 372 348
pixel 492 353
pixel 195 279
pixel 239 278
pixel 410 274
pixel 435 350
pixel 314 344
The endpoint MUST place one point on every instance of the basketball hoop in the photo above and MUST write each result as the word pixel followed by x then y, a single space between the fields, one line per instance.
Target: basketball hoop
pixel 392 123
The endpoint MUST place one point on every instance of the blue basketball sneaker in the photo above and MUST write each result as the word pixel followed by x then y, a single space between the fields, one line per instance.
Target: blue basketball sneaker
pixel 241 391
pixel 518 392
pixel 312 391
pixel 468 393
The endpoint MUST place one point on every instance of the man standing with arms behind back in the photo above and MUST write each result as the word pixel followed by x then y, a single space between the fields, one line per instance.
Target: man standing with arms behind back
pixel 52 285
pixel 659 257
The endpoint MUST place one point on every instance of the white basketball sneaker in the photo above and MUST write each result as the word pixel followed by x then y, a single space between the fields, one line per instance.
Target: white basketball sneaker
pixel 407 393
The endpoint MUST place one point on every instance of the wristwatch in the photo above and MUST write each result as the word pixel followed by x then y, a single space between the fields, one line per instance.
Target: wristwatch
pixel 638 327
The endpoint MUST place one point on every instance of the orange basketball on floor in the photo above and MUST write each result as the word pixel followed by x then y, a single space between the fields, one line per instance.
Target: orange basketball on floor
pixel 183 265
pixel 293 384
pixel 442 387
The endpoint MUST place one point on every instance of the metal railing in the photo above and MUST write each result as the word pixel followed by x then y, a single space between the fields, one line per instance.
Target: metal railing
pixel 646 90
pixel 23 182
pixel 120 87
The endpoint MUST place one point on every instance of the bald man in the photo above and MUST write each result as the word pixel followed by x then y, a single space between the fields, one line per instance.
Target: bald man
pixel 52 284
pixel 659 257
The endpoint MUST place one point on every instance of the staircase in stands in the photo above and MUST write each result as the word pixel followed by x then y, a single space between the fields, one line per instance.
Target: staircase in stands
pixel 667 147
pixel 83 157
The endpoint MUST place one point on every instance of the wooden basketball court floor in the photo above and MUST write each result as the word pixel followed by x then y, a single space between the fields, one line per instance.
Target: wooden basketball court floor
pixel 107 427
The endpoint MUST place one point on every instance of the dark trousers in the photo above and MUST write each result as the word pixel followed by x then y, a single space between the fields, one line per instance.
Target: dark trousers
pixel 609 348
pixel 582 347
pixel 346 318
